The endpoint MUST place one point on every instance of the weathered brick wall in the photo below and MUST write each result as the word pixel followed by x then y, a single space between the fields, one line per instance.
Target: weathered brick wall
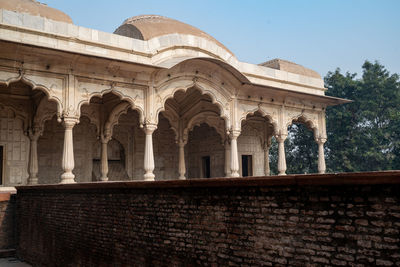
pixel 7 222
pixel 351 219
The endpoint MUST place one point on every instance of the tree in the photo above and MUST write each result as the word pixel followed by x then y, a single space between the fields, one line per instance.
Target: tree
pixel 364 135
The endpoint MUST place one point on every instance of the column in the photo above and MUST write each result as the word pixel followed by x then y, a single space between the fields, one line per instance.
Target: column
pixel 33 158
pixel 182 167
pixel 281 154
pixel 321 155
pixel 227 158
pixel 267 170
pixel 104 157
pixel 148 152
pixel 234 153
pixel 68 162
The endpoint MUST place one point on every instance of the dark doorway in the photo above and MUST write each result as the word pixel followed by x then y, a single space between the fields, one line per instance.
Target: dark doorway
pixel 247 165
pixel 1 164
pixel 206 166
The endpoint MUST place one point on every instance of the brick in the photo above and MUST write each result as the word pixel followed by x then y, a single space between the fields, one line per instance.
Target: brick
pixel 209 225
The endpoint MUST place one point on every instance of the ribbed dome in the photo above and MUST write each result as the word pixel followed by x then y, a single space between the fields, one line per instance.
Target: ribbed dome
pixel 145 27
pixel 35 8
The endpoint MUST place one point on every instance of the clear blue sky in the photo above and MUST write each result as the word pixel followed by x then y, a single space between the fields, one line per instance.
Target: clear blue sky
pixel 320 34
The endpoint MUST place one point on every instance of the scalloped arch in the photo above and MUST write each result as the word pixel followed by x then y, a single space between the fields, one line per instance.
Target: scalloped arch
pixel 116 113
pixel 307 121
pixel 47 91
pixel 264 115
pixel 202 118
pixel 169 85
pixel 116 92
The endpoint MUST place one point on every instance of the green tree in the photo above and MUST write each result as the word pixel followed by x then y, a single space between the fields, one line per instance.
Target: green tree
pixel 364 135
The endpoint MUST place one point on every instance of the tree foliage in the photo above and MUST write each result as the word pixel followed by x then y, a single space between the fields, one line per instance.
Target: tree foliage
pixel 362 136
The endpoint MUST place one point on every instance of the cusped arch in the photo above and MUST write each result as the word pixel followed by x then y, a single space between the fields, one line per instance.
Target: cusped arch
pixel 263 113
pixel 116 113
pixel 306 120
pixel 50 96
pixel 43 114
pixel 208 117
pixel 116 92
pixel 168 90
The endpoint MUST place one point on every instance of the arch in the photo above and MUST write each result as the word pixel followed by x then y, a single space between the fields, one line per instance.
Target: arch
pixel 173 119
pixel 308 122
pixel 172 62
pixel 164 43
pixel 183 83
pixel 116 92
pixel 263 113
pixel 35 86
pixel 112 120
pixel 43 114
pixel 204 117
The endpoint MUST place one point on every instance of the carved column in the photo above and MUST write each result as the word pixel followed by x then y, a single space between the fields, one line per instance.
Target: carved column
pixel 227 158
pixel 104 157
pixel 148 152
pixel 182 167
pixel 34 135
pixel 234 134
pixel 267 170
pixel 281 154
pixel 68 162
pixel 321 155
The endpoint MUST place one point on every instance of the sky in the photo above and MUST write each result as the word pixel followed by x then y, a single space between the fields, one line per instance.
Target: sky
pixel 322 35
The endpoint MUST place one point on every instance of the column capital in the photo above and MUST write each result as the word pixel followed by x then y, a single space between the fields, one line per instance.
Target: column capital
pixel 105 138
pixel 234 134
pixel 182 142
pixel 34 133
pixel 320 141
pixel 69 122
pixel 281 137
pixel 149 128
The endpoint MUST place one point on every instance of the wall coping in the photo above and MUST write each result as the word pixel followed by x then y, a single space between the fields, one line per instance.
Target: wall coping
pixel 331 179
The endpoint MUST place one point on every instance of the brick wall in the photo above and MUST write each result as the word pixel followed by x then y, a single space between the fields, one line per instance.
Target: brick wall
pixel 341 219
pixel 7 215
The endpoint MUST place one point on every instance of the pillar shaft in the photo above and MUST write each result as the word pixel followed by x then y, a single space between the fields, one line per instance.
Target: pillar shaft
pixel 68 162
pixel 234 153
pixel 33 157
pixel 267 170
pixel 182 167
pixel 104 158
pixel 227 159
pixel 148 153
pixel 321 156
pixel 281 154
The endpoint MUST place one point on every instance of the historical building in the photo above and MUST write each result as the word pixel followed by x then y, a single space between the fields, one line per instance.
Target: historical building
pixel 157 99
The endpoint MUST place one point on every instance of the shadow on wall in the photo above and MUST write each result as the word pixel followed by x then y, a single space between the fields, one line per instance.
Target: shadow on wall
pixel 7 219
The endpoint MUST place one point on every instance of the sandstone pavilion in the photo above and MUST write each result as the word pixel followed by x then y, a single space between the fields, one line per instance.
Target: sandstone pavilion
pixel 157 99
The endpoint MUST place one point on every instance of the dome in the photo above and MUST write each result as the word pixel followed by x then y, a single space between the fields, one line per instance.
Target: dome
pixel 280 64
pixel 35 8
pixel 145 27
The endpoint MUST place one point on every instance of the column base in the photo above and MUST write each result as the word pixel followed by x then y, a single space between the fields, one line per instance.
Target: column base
pixel 280 174
pixel 33 180
pixel 149 176
pixel 182 178
pixel 67 178
pixel 103 179
pixel 235 175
